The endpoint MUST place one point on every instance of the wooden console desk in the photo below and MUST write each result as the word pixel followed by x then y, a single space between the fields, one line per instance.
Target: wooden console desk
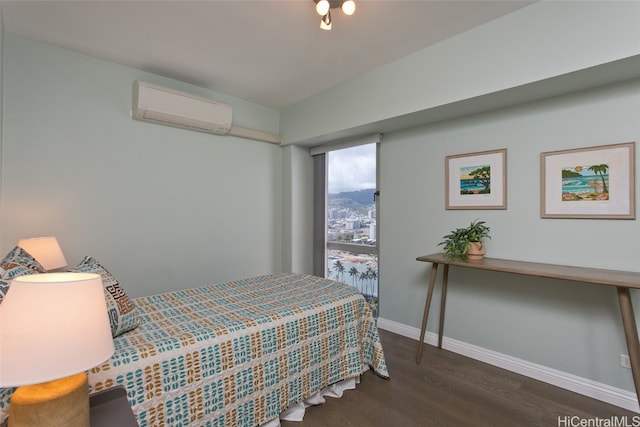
pixel 622 280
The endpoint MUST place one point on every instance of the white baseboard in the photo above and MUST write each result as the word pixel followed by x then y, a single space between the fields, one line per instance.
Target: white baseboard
pixel 586 387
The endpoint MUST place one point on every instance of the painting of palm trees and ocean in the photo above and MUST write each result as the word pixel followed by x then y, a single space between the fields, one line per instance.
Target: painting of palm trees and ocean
pixel 475 180
pixel 585 183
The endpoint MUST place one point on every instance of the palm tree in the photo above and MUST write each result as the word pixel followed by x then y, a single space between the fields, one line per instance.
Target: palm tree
pixel 339 268
pixel 369 280
pixel 374 280
pixel 600 170
pixel 363 277
pixel 353 272
pixel 483 175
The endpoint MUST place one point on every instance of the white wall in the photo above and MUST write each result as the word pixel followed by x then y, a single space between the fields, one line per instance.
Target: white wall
pixel 297 208
pixel 166 208
pixel 538 42
pixel 571 327
pixel 162 208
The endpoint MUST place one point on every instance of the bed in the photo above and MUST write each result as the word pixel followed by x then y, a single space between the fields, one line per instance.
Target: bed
pixel 239 353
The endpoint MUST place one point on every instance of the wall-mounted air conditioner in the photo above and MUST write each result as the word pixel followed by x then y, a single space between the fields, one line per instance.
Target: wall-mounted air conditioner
pixel 157 104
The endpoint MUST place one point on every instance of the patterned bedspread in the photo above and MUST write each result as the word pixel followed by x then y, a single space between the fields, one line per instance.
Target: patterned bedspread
pixel 240 353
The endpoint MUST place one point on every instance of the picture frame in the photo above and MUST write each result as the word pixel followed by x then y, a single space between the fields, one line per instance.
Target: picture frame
pixel 476 180
pixel 591 182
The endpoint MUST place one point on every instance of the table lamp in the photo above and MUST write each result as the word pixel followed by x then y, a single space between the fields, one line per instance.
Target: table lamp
pixel 45 250
pixel 53 327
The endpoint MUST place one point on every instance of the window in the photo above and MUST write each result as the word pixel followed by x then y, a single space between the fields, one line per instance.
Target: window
pixel 346 236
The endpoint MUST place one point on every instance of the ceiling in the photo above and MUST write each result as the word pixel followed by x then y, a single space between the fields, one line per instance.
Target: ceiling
pixel 266 51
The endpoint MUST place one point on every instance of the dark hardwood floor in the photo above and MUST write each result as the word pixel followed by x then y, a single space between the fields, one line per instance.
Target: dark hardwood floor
pixel 448 389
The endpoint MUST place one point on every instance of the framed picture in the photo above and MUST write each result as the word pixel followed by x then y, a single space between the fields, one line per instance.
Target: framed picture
pixel 476 180
pixel 593 182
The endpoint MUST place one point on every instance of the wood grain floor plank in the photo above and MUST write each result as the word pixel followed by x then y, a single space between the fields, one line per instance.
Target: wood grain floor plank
pixel 447 389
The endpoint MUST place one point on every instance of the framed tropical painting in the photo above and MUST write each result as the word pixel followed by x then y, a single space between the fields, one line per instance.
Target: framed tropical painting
pixel 476 180
pixel 592 182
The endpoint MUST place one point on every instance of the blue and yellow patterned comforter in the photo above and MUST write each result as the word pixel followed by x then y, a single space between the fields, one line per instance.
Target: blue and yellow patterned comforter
pixel 240 353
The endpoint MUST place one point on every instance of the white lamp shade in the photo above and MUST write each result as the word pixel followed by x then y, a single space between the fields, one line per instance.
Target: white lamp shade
pixel 51 326
pixel 45 250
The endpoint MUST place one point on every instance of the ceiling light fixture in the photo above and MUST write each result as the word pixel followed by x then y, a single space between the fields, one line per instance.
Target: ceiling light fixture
pixel 323 8
pixel 348 7
pixel 325 22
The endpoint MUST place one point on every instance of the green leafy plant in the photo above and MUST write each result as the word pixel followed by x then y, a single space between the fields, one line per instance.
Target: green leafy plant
pixel 456 243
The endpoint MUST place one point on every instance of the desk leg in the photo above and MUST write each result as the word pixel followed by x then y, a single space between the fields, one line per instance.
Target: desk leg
pixel 631 334
pixel 443 302
pixel 427 304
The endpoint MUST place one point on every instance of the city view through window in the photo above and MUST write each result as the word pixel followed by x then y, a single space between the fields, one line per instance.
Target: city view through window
pixel 352 252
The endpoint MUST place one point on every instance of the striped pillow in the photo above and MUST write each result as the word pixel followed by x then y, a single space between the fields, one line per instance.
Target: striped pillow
pixel 16 263
pixel 122 312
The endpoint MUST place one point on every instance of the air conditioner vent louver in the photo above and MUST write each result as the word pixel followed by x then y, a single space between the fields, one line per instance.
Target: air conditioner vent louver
pixel 157 104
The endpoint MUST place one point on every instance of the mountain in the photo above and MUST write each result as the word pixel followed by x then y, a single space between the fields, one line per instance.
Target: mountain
pixel 361 197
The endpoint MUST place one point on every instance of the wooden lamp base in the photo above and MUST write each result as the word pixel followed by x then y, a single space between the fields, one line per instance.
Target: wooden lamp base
pixel 60 403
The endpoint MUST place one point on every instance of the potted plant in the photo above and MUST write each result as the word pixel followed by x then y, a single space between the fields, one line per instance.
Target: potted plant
pixel 466 243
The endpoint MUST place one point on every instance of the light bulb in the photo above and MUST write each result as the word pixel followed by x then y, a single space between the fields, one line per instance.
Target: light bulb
pixel 348 7
pixel 322 7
